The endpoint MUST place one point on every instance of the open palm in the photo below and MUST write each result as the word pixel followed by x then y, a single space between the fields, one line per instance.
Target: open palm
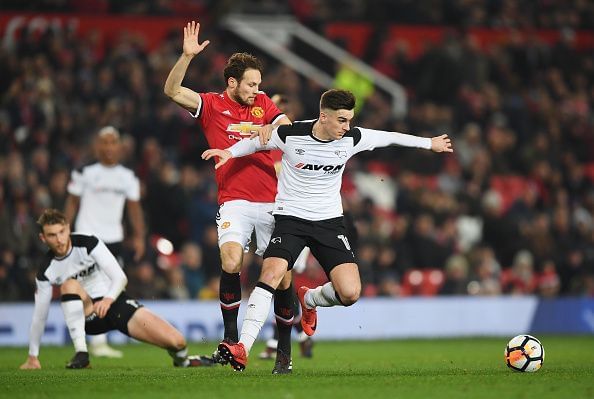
pixel 191 45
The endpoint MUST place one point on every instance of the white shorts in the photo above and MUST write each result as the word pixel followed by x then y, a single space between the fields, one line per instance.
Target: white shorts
pixel 237 219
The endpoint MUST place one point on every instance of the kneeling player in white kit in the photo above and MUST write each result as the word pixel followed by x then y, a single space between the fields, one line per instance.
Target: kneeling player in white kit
pixel 91 286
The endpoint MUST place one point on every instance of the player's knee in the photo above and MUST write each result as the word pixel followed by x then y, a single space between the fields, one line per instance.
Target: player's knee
pixel 69 286
pixel 350 296
pixel 178 341
pixel 231 261
pixel 273 272
pixel 285 282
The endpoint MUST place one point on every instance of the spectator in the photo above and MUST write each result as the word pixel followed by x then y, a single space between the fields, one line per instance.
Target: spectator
pixel 191 266
pixel 520 279
pixel 456 276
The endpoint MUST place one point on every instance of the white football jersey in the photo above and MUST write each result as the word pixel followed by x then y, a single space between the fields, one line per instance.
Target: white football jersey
pixel 311 169
pixel 103 191
pixel 91 263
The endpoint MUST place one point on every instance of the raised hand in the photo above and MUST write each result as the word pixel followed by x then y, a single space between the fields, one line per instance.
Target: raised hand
pixel 191 45
pixel 223 155
pixel 441 144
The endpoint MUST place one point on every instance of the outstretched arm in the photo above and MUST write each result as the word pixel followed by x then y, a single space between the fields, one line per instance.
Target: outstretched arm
pixel 239 149
pixel 183 96
pixel 441 144
pixel 265 132
pixel 371 138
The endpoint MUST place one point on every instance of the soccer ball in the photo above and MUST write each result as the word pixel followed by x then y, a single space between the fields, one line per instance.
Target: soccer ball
pixel 524 353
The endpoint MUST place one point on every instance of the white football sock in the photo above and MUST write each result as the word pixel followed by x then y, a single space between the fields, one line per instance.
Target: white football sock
pixel 96 340
pixel 302 336
pixel 180 357
pixel 323 296
pixel 257 312
pixel 74 315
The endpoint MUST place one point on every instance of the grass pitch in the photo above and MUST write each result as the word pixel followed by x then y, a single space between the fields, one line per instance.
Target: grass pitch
pixel 441 368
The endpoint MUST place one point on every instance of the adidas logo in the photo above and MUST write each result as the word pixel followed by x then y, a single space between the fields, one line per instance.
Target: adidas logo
pixel 226 112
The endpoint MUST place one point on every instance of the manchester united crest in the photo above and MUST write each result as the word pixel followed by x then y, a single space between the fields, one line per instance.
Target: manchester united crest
pixel 257 112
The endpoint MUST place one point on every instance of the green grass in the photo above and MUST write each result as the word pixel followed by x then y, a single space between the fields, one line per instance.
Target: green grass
pixel 452 368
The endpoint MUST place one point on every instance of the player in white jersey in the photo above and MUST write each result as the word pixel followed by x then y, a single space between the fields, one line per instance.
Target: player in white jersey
pixel 93 299
pixel 308 210
pixel 100 191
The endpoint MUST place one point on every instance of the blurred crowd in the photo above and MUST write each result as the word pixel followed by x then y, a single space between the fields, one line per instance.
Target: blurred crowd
pixel 576 14
pixel 510 212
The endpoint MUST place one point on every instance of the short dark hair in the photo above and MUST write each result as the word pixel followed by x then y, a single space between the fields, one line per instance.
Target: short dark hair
pixel 336 99
pixel 238 63
pixel 51 216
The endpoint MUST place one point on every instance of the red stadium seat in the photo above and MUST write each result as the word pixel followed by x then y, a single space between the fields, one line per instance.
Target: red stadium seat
pixel 432 281
pixel 412 282
pixel 509 187
pixel 422 282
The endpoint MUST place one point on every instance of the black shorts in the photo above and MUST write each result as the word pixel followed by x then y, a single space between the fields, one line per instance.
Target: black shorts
pixel 327 240
pixel 117 317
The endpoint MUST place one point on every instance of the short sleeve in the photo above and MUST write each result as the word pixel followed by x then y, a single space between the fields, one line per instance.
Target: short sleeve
pixel 76 185
pixel 133 188
pixel 204 110
pixel 271 112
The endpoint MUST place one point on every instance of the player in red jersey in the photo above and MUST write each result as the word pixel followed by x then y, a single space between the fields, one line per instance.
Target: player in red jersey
pixel 247 186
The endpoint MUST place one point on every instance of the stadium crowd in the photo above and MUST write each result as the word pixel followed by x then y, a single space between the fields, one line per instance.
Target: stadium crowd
pixel 510 212
pixel 576 14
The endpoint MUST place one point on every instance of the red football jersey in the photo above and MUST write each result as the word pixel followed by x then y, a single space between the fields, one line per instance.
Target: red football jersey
pixel 224 122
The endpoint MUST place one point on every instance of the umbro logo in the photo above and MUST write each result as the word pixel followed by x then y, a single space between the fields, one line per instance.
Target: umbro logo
pixel 299 151
pixel 226 112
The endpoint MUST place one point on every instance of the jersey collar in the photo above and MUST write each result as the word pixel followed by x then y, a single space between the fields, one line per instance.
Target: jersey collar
pixel 231 101
pixel 314 137
pixel 67 254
